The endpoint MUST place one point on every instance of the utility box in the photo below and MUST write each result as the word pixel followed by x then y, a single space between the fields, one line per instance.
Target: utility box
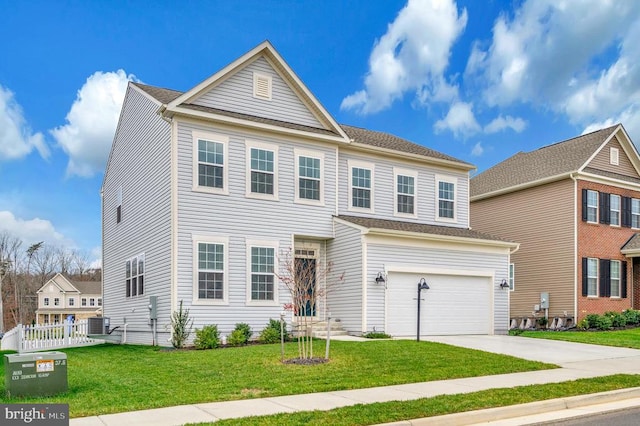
pixel 544 300
pixel 98 325
pixel 36 374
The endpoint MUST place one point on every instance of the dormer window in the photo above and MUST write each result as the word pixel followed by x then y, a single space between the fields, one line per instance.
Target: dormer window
pixel 261 86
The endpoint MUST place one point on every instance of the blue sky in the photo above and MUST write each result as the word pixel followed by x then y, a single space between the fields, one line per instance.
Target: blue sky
pixel 479 80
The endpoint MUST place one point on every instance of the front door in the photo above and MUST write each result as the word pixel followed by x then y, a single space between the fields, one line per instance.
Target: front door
pixel 306 287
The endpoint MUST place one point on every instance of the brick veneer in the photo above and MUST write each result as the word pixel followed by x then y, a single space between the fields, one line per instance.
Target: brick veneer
pixel 604 242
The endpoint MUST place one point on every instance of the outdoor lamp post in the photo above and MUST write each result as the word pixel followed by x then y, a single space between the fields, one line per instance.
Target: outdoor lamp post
pixel 422 285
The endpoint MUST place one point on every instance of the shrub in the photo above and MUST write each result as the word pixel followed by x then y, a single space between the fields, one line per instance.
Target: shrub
pixel 237 338
pixel 592 319
pixel 245 329
pixel 271 333
pixel 617 319
pixel 542 322
pixel 181 325
pixel 207 338
pixel 376 335
pixel 603 322
pixel 583 324
pixel 632 316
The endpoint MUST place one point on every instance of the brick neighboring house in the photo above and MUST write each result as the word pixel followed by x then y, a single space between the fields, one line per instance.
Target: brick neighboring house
pixel 60 297
pixel 574 207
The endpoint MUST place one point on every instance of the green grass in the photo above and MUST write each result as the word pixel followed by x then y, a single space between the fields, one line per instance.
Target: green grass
pixel 394 411
pixel 110 378
pixel 629 338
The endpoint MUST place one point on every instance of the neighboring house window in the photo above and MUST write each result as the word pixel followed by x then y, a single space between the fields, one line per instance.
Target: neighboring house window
pixel 405 193
pixel 262 173
pixel 635 213
pixel 614 205
pixel 210 270
pixel 72 301
pixel 309 178
pixel 56 301
pixel 92 302
pixel 361 180
pixel 209 167
pixel 512 276
pixel 446 192
pixel 99 301
pixel 615 278
pixel 591 277
pixel 46 301
pixel 134 271
pixel 262 276
pixel 590 206
pixel 84 301
pixel 614 156
pixel 119 205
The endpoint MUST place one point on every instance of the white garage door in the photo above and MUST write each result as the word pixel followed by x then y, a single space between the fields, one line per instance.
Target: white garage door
pixel 452 305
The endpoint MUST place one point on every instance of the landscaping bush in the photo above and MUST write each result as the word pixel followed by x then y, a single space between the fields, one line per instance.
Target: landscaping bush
pixel 592 319
pixel 542 322
pixel 603 322
pixel 245 329
pixel 632 316
pixel 617 319
pixel 207 338
pixel 237 338
pixel 376 335
pixel 583 324
pixel 271 333
pixel 181 325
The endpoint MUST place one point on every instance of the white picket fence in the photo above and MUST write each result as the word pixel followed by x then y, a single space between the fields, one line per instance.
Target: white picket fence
pixel 32 338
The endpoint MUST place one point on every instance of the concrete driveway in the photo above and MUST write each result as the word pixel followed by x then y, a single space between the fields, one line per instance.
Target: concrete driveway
pixel 549 351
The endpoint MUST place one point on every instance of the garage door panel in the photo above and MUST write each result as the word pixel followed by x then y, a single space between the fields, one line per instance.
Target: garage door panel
pixel 452 305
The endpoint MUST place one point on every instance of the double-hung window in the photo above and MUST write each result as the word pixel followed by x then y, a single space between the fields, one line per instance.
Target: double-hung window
pixel 210 270
pixel 46 301
pixel 615 275
pixel 72 301
pixel 592 206
pixel 262 173
pixel 92 302
pixel 614 205
pixel 309 175
pixel 210 167
pixel 405 193
pixel 84 301
pixel 262 273
pixel 361 180
pixel 134 276
pixel 56 301
pixel 446 198
pixel 635 213
pixel 592 277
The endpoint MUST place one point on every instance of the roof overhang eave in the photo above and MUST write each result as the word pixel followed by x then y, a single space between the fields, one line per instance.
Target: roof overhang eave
pixel 444 238
pixel 423 158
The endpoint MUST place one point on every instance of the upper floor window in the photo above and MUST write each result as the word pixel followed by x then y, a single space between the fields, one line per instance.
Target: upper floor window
pixel 210 169
pixel 361 180
pixel 56 301
pixel 119 205
pixel 99 301
pixel 592 277
pixel 309 177
pixel 614 156
pixel 92 302
pixel 405 192
pixel 262 174
pixel 210 269
pixel 262 276
pixel 84 301
pixel 635 213
pixel 614 204
pixel 446 192
pixel 46 301
pixel 72 301
pixel 134 276
pixel 590 205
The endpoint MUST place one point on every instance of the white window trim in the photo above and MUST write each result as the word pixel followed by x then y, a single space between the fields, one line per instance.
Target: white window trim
pixel 614 156
pixel 617 212
pixel 597 277
pixel 213 137
pixel 208 239
pixel 512 276
pixel 632 214
pixel 311 154
pixel 410 173
pixel 619 279
pixel 257 76
pixel 83 301
pixel 267 147
pixel 276 282
pixel 351 164
pixel 597 206
pixel 71 301
pixel 454 181
pixel 46 301
pixel 138 275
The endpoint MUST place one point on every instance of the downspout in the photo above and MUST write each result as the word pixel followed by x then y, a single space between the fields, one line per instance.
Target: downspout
pixel 575 247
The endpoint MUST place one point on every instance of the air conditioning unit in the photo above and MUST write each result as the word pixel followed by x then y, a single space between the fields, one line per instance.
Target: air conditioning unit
pixel 98 325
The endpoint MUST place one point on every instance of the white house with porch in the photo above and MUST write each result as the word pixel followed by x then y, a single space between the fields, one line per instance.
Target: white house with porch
pixel 61 298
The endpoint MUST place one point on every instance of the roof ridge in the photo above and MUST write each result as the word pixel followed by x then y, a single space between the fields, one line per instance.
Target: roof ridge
pixel 575 137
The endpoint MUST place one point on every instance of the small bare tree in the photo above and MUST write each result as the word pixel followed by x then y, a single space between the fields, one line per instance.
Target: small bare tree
pixel 308 282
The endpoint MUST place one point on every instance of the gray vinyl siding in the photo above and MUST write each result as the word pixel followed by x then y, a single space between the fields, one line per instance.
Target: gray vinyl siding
pixel 236 94
pixel 240 218
pixel 384 190
pixel 140 164
pixel 345 300
pixel 384 254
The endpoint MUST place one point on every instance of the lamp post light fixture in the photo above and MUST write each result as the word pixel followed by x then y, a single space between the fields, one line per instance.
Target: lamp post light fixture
pixel 422 285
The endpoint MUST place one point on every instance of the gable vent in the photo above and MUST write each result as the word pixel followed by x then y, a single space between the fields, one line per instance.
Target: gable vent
pixel 261 86
pixel 614 156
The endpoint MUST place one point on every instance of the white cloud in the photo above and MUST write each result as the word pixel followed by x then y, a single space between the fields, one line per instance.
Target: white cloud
pixel 459 120
pixel 411 57
pixel 92 121
pixel 477 150
pixel 630 119
pixel 576 58
pixel 33 230
pixel 500 123
pixel 16 138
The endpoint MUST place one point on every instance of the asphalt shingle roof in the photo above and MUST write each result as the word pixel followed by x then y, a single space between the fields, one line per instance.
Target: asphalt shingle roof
pixel 633 243
pixel 552 160
pixel 359 135
pixel 421 228
pixel 88 287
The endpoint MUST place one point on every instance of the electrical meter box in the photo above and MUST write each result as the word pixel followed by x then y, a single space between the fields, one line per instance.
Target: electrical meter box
pixel 544 300
pixel 35 374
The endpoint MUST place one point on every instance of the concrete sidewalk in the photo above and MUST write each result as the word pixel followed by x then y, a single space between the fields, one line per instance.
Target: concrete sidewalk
pixel 595 361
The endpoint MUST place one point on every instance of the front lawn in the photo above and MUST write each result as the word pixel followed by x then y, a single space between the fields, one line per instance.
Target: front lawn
pixel 629 338
pixel 115 378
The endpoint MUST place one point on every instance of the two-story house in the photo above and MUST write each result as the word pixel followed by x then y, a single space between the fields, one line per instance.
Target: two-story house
pixel 574 207
pixel 61 298
pixel 205 189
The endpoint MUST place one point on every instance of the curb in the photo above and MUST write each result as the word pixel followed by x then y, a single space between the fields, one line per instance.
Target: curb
pixel 513 411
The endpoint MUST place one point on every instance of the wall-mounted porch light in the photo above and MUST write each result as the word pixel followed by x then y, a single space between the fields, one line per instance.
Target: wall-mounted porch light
pixel 380 278
pixel 504 284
